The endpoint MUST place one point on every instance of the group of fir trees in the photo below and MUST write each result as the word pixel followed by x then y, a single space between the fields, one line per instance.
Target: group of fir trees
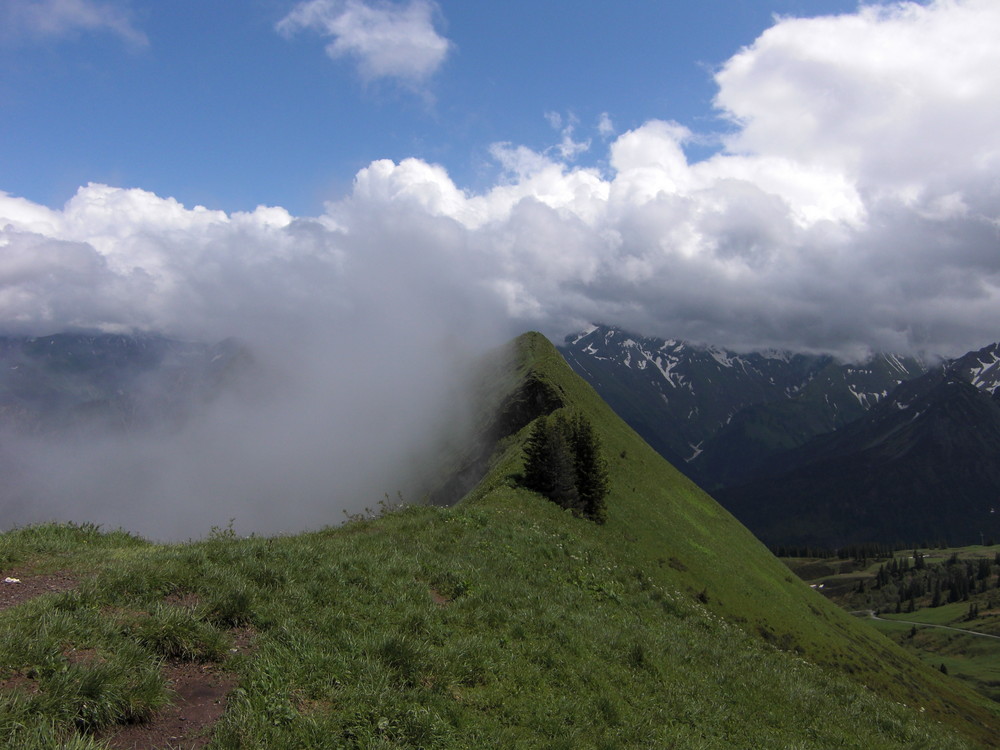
pixel 563 461
pixel 950 581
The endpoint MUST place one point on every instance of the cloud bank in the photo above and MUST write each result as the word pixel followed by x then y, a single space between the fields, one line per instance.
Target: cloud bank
pixel 385 40
pixel 854 205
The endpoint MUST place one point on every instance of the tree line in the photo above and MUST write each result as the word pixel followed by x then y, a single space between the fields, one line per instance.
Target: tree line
pixel 860 552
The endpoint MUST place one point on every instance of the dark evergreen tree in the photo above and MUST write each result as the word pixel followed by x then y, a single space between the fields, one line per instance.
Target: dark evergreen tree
pixel 548 463
pixel 563 461
pixel 591 469
pixel 536 456
pixel 563 488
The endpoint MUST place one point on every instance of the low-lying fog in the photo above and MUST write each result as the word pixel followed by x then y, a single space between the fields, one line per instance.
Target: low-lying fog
pixel 360 344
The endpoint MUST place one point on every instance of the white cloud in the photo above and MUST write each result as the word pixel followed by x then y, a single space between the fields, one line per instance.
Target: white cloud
pixel 350 318
pixel 855 204
pixel 605 127
pixel 898 98
pixel 60 18
pixel 567 148
pixel 386 40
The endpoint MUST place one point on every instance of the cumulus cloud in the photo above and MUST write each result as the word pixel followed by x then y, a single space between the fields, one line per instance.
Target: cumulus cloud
pixel 385 40
pixel 897 98
pixel 854 205
pixel 60 18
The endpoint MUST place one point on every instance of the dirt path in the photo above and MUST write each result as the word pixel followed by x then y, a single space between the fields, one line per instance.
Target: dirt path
pixel 201 693
pixel 17 587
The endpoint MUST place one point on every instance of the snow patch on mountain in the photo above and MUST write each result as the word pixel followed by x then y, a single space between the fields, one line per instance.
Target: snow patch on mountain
pixel 984 374
pixel 697 452
pixel 584 333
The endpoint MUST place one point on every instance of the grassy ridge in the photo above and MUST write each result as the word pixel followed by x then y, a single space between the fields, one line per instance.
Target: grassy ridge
pixel 684 540
pixel 501 622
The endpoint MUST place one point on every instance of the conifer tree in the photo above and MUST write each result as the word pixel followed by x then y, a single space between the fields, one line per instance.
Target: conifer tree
pixel 591 469
pixel 563 461
pixel 549 465
pixel 536 452
pixel 562 489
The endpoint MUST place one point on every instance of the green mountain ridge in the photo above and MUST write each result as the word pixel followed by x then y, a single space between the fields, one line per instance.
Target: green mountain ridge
pixel 502 621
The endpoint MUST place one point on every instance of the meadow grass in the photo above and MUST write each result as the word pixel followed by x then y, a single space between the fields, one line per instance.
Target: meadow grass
pixel 971 658
pixel 470 627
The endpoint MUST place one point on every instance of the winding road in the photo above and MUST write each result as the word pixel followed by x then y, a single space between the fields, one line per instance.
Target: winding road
pixel 871 613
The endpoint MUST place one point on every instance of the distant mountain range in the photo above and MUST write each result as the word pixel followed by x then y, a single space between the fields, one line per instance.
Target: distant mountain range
pixel 807 450
pixel 79 382
pixel 716 414
pixel 923 465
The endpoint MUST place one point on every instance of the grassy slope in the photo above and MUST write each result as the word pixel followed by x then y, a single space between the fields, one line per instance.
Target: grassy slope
pixel 970 658
pixel 503 622
pixel 684 539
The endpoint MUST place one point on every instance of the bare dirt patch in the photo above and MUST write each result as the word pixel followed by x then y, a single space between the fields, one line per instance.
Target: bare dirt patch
pixel 30 585
pixel 243 640
pixel 18 681
pixel 186 599
pixel 200 695
pixel 85 656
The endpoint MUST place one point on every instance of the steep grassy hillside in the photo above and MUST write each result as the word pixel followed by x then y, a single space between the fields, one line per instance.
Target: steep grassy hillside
pixel 501 622
pixel 962 632
pixel 684 540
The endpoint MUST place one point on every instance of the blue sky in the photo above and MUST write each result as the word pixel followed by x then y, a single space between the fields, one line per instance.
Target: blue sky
pixel 209 104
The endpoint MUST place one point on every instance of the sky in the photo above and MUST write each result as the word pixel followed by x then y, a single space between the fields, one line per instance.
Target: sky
pixel 806 174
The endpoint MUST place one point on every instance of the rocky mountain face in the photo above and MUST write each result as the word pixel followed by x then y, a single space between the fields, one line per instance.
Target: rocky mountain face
pixel 78 382
pixel 923 465
pixel 807 450
pixel 718 415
